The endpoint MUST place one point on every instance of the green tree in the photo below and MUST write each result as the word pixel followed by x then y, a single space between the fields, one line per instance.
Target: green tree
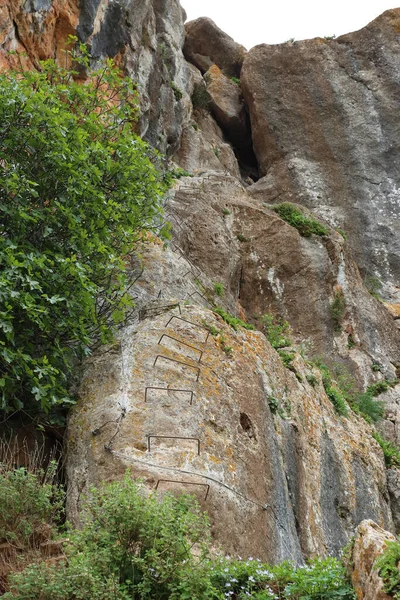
pixel 79 192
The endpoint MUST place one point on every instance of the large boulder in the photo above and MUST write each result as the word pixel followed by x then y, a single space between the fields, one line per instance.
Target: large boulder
pixel 326 132
pixel 227 106
pixel 206 44
pixel 369 543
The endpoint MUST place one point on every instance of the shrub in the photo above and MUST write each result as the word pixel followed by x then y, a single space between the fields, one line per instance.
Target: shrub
pixel 234 322
pixel 373 285
pixel 337 309
pixel 387 564
pixel 78 194
pixel 219 289
pixel 296 218
pixel 277 331
pixel 27 502
pixel 370 408
pixel 130 545
pixel 336 395
pixel 201 99
pixel 391 453
pixel 320 579
pixel 177 91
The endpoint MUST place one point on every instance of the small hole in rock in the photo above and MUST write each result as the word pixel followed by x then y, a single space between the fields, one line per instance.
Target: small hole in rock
pixel 247 425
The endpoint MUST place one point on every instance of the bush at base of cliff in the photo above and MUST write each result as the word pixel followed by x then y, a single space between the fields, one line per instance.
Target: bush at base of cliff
pixel 130 545
pixel 133 544
pixel 78 193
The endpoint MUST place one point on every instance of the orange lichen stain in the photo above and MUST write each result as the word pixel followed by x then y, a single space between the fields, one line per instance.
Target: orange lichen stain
pixel 214 459
pixel 393 308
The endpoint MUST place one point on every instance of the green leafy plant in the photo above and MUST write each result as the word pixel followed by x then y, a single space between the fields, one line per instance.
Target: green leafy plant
pixel 318 580
pixel 369 408
pixel 242 238
pixel 234 322
pixel 387 564
pixel 28 501
pixel 217 151
pixel 276 330
pixel 235 80
pixel 216 333
pixel 201 99
pixel 226 211
pixel 177 91
pixel 79 193
pixel 195 126
pixel 373 285
pixel 391 453
pixel 333 390
pixel 130 544
pixel 219 289
pixel 312 379
pixel 296 218
pixel 342 233
pixel 337 309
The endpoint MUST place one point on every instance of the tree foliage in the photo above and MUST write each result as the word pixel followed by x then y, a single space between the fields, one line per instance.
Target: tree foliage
pixel 79 192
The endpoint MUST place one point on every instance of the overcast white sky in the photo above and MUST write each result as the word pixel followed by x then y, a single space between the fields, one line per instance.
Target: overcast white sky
pixel 252 22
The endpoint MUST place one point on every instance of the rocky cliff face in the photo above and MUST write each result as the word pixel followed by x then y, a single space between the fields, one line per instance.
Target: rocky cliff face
pixel 326 134
pixel 281 474
pixel 145 38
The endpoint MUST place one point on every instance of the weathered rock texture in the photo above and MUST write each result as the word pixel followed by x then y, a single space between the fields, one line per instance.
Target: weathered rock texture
pixel 324 117
pixel 267 266
pixel 145 38
pixel 206 44
pixel 274 487
pixel 369 543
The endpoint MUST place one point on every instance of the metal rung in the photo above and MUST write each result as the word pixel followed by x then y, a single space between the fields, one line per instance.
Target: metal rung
pixel 190 323
pixel 169 390
pixel 179 362
pixel 165 335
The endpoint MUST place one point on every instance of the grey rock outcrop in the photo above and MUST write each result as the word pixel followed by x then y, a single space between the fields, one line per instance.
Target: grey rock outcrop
pixel 324 117
pixel 206 44
pixel 145 38
pixel 281 475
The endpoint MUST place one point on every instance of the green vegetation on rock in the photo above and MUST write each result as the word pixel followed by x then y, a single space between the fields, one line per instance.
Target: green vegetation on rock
pixel 296 218
pixel 234 322
pixel 79 192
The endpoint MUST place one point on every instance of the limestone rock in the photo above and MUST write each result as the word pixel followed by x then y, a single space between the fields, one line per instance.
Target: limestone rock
pixel 144 38
pixel 267 266
pixel 203 147
pixel 227 106
pixel 369 544
pixel 281 475
pixel 324 116
pixel 206 44
pixel 393 478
